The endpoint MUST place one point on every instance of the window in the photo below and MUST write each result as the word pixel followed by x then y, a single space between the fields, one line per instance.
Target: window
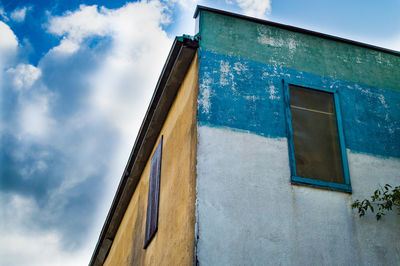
pixel 316 144
pixel 154 195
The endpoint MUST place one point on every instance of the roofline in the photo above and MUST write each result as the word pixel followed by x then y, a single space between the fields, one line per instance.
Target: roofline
pixel 178 61
pixel 295 29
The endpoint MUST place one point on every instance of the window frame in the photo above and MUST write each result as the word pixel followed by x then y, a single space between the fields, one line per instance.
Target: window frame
pixel 346 187
pixel 153 199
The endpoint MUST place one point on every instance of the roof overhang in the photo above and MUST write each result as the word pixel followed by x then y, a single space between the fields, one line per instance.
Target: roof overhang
pixel 178 62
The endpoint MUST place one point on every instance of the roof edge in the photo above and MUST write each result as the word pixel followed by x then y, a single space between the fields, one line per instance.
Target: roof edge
pixel 295 29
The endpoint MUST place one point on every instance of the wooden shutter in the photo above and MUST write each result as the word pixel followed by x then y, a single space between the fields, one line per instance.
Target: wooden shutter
pixel 154 195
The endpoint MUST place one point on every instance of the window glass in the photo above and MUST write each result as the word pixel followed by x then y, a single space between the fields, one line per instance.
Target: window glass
pixel 315 135
pixel 153 195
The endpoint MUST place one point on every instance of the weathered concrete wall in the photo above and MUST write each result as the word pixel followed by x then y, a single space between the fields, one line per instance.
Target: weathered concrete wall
pixel 173 243
pixel 248 212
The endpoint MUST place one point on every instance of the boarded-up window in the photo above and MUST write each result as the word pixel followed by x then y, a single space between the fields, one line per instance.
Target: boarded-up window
pixel 154 194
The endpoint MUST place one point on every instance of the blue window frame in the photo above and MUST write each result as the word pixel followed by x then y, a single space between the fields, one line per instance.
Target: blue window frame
pixel 317 150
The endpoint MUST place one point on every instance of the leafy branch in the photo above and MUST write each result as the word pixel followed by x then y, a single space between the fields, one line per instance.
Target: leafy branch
pixel 385 198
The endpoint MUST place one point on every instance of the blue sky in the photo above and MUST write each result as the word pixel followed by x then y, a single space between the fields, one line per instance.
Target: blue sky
pixel 76 78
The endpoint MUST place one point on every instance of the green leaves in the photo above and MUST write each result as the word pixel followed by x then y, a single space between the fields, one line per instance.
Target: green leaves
pixel 385 198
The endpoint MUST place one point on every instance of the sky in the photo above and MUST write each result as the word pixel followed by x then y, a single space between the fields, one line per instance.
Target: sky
pixel 76 78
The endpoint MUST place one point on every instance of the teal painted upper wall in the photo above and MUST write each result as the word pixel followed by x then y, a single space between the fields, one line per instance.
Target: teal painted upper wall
pixel 222 34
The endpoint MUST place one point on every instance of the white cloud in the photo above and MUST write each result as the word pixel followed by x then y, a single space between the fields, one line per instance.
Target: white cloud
pixel 86 21
pixel 126 80
pixel 255 8
pixel 119 89
pixel 8 45
pixel 127 76
pixel 18 15
pixel 66 46
pixel 8 51
pixel 34 117
pixel 24 244
pixel 23 76
pixel 39 248
pixel 189 5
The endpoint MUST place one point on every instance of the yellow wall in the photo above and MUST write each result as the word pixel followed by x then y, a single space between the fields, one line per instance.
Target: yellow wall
pixel 173 243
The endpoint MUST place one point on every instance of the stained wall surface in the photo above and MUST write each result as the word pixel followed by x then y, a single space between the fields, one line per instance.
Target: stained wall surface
pixel 173 243
pixel 248 212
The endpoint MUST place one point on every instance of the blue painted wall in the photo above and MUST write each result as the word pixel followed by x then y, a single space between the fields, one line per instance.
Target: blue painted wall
pixel 248 95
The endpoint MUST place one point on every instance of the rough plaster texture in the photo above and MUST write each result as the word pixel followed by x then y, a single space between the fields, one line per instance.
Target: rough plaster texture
pixel 266 44
pixel 248 213
pixel 173 243
pixel 248 95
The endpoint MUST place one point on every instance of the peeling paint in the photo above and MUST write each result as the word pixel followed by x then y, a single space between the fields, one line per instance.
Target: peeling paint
pixel 240 67
pixel 251 99
pixel 292 45
pixel 382 100
pixel 224 72
pixel 273 46
pixel 204 100
pixel 273 93
pixel 265 37
pixel 204 93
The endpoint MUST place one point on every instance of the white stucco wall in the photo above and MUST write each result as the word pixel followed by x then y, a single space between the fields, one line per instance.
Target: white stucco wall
pixel 248 213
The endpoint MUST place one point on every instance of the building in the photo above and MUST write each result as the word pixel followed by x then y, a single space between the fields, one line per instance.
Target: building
pixel 258 138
